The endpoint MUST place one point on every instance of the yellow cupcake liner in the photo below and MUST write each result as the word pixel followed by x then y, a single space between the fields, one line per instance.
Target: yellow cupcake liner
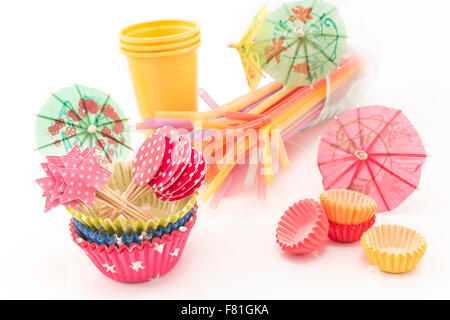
pixel 347 207
pixel 393 248
pixel 164 212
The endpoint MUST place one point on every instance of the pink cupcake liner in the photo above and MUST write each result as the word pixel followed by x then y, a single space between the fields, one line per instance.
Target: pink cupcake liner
pixel 347 233
pixel 303 228
pixel 137 263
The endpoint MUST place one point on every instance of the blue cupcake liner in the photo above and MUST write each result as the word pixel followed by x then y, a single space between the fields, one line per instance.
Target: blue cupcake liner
pixel 95 236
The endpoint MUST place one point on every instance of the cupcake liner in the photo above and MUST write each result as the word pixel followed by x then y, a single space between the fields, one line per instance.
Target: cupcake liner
pixel 137 263
pixel 303 228
pixel 393 248
pixel 97 236
pixel 347 206
pixel 348 233
pixel 164 212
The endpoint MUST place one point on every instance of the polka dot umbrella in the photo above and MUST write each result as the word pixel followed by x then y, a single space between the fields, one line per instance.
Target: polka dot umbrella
pixel 82 116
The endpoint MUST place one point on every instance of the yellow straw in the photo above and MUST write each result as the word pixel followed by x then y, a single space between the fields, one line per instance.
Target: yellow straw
pixel 282 154
pixel 236 105
pixel 284 120
pixel 291 115
pixel 272 100
pixel 267 156
pixel 215 183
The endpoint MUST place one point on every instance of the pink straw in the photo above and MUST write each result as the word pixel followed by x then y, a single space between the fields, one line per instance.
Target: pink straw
pixel 236 177
pixel 257 102
pixel 173 122
pixel 223 189
pixel 252 169
pixel 300 124
pixel 261 184
pixel 207 98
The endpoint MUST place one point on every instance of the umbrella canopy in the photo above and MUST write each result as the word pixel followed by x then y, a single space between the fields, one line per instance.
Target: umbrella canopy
pixel 246 49
pixel 373 150
pixel 301 42
pixel 82 116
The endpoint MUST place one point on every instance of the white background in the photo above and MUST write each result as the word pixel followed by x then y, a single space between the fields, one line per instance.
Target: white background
pixel 46 45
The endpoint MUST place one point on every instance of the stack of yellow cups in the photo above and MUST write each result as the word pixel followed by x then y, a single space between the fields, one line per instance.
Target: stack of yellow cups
pixel 162 58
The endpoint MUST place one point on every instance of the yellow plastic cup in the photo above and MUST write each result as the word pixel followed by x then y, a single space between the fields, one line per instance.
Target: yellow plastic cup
pixel 164 75
pixel 163 47
pixel 159 32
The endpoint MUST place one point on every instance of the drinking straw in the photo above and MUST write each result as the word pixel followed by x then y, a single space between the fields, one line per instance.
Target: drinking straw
pixel 290 116
pixel 275 160
pixel 314 95
pixel 236 177
pixel 261 184
pixel 252 168
pixel 219 194
pixel 266 154
pixel 273 99
pixel 233 106
pixel 253 104
pixel 207 99
pixel 161 122
pixel 233 115
pixel 299 125
pixel 282 154
pixel 213 186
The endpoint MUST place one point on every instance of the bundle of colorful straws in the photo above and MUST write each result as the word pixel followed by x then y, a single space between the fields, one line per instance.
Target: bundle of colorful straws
pixel 244 139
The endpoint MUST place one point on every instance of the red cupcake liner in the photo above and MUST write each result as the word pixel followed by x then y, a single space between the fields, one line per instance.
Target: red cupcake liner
pixel 348 233
pixel 137 263
pixel 303 228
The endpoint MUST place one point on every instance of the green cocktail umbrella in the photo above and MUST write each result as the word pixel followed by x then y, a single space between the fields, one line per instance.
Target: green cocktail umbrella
pixel 301 42
pixel 86 117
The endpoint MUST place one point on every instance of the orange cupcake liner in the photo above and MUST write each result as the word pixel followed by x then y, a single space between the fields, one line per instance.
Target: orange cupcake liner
pixel 393 248
pixel 347 207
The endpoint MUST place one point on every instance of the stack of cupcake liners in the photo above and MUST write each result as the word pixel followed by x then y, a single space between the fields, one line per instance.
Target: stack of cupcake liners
pixel 349 213
pixel 137 262
pixel 101 237
pixel 134 250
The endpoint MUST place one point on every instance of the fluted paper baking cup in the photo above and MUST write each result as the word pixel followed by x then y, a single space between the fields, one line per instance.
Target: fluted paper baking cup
pixel 96 236
pixel 303 228
pixel 347 206
pixel 137 263
pixel 348 233
pixel 393 248
pixel 164 212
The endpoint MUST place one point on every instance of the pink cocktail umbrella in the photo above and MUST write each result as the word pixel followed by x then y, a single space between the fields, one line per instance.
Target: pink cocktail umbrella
pixel 374 150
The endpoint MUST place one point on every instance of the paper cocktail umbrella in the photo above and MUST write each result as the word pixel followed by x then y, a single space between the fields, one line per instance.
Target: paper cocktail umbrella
pixel 301 42
pixel 78 179
pixel 191 178
pixel 183 162
pixel 373 150
pixel 161 161
pixel 245 47
pixel 86 117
